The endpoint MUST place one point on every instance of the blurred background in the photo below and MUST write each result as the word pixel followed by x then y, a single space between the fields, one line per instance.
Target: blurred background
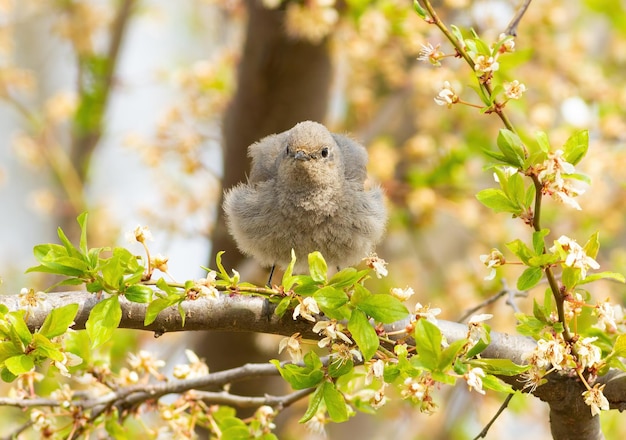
pixel 141 111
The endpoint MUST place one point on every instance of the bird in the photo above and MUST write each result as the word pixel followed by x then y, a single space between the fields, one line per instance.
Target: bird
pixel 306 191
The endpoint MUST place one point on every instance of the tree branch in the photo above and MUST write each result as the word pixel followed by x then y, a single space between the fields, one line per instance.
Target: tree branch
pixel 255 314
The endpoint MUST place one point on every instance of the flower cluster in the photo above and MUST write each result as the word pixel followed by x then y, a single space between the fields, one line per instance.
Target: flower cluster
pixel 552 175
pixel 575 255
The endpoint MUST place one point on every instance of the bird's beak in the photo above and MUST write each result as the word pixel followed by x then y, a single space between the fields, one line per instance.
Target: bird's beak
pixel 301 155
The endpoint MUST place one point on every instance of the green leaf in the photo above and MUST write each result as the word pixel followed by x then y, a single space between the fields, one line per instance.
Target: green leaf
pixel 363 333
pixel 502 367
pixel 481 344
pixel 138 293
pixel 592 246
pixel 70 249
pixel 528 325
pixel 457 33
pixel 335 403
pixel 104 318
pixel 495 155
pixel 318 267
pixel 519 248
pixel 19 364
pixel 497 200
pixel 282 307
pixel 330 299
pixel 539 240
pixel 493 383
pixel 44 348
pixel 158 305
pixel 339 366
pixel 221 271
pixel 541 313
pixel 449 355
pixel 82 223
pixel 346 277
pixel 512 147
pixel 530 196
pixel 314 403
pixel 19 332
pixel 58 321
pixel 529 278
pixel 384 308
pixel 619 349
pixel 542 141
pixel 113 426
pixel 570 276
pixel 576 147
pixel 302 377
pixel 288 279
pixel 428 343
pixel 418 8
pixel 8 349
pixel 603 275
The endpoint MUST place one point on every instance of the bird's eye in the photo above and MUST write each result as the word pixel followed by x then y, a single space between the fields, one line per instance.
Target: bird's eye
pixel 325 152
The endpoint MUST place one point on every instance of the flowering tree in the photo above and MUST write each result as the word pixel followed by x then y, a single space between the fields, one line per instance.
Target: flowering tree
pixel 370 349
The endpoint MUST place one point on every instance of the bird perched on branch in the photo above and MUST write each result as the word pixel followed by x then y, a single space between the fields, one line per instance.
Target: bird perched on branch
pixel 306 192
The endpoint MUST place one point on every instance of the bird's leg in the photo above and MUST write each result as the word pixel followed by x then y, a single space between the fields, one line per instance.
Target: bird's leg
pixel 269 281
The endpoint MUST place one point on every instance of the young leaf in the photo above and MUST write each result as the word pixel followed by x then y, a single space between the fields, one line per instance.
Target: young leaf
pixel 339 366
pixel 330 298
pixel 493 383
pixel 529 278
pixel 539 240
pixel 139 293
pixel 314 403
pixel 363 333
pixel 384 308
pixel 576 147
pixel 335 403
pixel 288 279
pixel 20 335
pixel 592 246
pixel 512 147
pixel 221 271
pixel 158 305
pixel 318 267
pixel 503 367
pixel 428 343
pixel 282 307
pixel 497 200
pixel 299 377
pixel 519 248
pixel 58 321
pixel 104 318
pixel 346 277
pixel 19 364
pixel 418 8
pixel 82 223
pixel 603 275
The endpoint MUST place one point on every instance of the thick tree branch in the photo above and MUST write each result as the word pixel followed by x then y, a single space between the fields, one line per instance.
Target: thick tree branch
pixel 254 314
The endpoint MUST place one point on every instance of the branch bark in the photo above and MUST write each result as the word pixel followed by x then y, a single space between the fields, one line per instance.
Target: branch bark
pixel 252 314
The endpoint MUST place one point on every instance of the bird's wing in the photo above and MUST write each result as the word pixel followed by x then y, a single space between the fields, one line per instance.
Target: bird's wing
pixel 354 158
pixel 264 154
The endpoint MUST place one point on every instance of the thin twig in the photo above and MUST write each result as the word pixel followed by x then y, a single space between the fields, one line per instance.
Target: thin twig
pixel 504 405
pixel 511 29
pixel 511 293
pixel 225 398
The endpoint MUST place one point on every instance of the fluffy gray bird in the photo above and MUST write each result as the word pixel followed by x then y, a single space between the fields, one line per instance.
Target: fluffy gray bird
pixel 306 192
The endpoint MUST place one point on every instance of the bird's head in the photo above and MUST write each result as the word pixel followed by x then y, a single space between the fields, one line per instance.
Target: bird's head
pixel 310 153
